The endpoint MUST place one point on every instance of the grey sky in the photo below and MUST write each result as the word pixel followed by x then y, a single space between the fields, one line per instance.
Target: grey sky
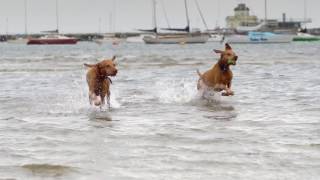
pixel 84 15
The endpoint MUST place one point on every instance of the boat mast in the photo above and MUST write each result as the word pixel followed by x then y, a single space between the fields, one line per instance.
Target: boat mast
pixel 265 11
pixel 7 27
pixel 99 27
pixel 187 16
pixel 57 16
pixel 305 12
pixel 165 13
pixel 218 15
pixel 25 18
pixel 114 16
pixel 154 15
pixel 110 22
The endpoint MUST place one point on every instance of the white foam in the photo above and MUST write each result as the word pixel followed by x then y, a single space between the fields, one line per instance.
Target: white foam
pixel 176 91
pixel 113 98
pixel 183 91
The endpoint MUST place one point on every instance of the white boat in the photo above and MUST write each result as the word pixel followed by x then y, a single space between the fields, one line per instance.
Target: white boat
pixel 18 41
pixel 107 39
pixel 245 29
pixel 216 38
pixel 305 37
pixel 259 38
pixel 135 39
pixel 177 39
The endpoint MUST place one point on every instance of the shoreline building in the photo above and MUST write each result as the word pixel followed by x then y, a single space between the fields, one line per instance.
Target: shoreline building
pixel 241 17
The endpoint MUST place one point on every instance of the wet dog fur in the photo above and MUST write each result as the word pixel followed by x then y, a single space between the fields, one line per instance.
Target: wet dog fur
pixel 219 77
pixel 98 79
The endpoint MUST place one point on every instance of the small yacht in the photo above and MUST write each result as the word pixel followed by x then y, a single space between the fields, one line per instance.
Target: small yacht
pixel 52 39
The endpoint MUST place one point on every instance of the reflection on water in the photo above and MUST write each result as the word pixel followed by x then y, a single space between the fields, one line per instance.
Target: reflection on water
pixel 47 170
pixel 159 127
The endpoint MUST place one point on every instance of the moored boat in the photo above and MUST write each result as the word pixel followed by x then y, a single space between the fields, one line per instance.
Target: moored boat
pixel 18 41
pixel 216 38
pixel 259 38
pixel 188 38
pixel 306 37
pixel 52 39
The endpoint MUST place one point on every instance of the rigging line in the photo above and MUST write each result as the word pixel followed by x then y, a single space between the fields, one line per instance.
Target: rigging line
pixel 165 13
pixel 200 12
pixel 25 17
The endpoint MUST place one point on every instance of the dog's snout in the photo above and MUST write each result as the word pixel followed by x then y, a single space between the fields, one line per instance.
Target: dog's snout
pixel 235 58
pixel 115 71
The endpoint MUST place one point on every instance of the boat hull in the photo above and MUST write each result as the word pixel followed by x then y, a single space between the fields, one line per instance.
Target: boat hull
pixel 51 41
pixel 185 39
pixel 245 39
pixel 18 41
pixel 313 38
pixel 305 39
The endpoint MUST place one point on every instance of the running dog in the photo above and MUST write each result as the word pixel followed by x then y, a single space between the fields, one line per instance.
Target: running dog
pixel 98 79
pixel 219 77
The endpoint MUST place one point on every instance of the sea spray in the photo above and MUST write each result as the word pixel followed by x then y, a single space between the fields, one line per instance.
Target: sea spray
pixel 175 90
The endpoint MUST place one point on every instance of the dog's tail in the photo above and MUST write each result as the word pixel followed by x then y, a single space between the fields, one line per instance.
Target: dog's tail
pixel 88 65
pixel 200 75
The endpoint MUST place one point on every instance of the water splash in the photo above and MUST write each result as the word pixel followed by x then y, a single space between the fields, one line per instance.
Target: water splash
pixel 175 90
pixel 182 91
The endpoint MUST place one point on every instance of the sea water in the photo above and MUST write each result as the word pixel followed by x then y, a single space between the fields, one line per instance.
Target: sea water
pixel 158 126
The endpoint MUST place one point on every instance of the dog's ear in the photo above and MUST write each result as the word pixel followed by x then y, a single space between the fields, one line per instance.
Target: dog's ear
pixel 218 51
pixel 113 58
pixel 90 65
pixel 228 47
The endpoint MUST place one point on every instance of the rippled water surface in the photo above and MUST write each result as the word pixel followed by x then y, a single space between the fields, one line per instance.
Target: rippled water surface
pixel 158 127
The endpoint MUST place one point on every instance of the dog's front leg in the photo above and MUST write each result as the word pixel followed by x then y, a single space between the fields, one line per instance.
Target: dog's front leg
pixel 108 102
pixel 228 91
pixel 102 102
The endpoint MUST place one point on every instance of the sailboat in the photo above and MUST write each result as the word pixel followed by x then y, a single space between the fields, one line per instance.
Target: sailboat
pixel 181 38
pixel 53 37
pixel 302 34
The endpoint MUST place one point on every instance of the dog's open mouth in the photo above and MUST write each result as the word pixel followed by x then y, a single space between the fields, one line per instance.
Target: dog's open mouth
pixel 112 74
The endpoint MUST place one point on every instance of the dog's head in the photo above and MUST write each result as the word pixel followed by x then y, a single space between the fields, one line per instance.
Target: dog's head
pixel 228 57
pixel 106 67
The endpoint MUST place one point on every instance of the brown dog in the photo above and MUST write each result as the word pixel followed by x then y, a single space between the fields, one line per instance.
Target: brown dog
pixel 219 77
pixel 99 82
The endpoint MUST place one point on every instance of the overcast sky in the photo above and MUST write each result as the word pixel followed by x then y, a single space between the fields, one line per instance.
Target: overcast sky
pixel 128 15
